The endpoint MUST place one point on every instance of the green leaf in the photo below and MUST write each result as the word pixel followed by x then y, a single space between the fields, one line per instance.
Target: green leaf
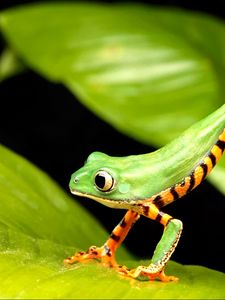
pixel 9 64
pixel 34 205
pixel 24 278
pixel 40 226
pixel 38 221
pixel 133 65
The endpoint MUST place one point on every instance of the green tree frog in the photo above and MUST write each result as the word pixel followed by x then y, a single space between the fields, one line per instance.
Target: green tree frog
pixel 144 184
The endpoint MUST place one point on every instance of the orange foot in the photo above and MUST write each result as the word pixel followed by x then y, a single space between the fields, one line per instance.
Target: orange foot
pixel 103 253
pixel 92 253
pixel 145 271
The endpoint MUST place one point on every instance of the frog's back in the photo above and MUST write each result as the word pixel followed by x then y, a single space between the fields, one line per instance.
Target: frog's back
pixel 180 166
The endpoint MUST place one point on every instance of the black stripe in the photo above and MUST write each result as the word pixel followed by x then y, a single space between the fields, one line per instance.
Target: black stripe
pixel 115 237
pixel 182 183
pixel 158 201
pixel 145 210
pixel 192 182
pixel 159 216
pixel 135 214
pixel 213 158
pixel 123 223
pixel 221 144
pixel 174 193
pixel 170 219
pixel 205 170
pixel 107 250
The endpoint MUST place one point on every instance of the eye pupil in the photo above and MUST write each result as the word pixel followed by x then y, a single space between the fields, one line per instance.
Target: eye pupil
pixel 100 181
pixel 104 181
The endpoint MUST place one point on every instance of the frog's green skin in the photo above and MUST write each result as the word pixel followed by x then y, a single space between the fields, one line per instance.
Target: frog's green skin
pixel 145 183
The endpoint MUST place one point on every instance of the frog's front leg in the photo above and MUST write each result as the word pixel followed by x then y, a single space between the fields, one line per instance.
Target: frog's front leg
pixel 106 253
pixel 165 247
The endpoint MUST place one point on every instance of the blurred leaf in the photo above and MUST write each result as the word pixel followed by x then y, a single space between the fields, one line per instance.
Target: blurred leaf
pixel 133 65
pixel 9 64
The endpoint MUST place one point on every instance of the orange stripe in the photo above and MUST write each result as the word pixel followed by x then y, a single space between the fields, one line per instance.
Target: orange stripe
pixel 209 164
pixel 165 219
pixel 166 196
pixel 216 151
pixel 119 232
pixel 222 136
pixel 155 214
pixel 181 188
pixel 198 174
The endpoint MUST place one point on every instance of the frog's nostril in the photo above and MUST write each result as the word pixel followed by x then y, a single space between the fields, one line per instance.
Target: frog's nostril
pixel 76 180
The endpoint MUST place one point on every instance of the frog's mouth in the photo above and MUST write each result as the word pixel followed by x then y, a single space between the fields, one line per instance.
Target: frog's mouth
pixel 122 204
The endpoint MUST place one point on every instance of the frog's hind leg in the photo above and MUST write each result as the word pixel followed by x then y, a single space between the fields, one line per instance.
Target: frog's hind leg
pixel 106 253
pixel 165 247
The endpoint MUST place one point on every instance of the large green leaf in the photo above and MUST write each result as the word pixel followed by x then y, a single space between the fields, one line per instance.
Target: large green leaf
pixel 150 72
pixel 133 65
pixel 36 206
pixel 40 225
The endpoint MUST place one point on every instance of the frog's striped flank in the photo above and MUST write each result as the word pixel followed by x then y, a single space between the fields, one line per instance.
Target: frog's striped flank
pixel 195 178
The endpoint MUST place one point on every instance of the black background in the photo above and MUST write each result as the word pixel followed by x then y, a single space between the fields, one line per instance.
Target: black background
pixel 45 123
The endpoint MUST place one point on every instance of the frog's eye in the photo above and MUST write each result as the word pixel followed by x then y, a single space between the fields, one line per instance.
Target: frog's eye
pixel 104 181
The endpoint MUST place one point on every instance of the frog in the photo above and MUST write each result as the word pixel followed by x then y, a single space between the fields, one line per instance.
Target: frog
pixel 143 184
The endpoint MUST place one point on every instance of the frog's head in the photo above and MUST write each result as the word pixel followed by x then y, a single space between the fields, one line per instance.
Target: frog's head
pixel 101 179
